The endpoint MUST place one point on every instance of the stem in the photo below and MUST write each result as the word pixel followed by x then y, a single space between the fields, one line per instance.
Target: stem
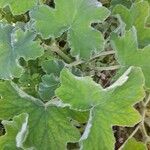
pixel 141 125
pixel 105 2
pixel 131 135
pixel 147 101
pixel 104 53
pixel 75 63
pixel 107 68
pixel 55 48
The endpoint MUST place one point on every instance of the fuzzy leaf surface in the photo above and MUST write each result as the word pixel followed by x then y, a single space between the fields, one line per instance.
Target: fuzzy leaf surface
pixel 128 53
pixel 48 86
pixel 49 125
pixel 50 81
pixel 52 67
pixel 75 17
pixel 10 139
pixel 126 3
pixel 13 46
pixel 111 106
pixel 136 16
pixel 17 6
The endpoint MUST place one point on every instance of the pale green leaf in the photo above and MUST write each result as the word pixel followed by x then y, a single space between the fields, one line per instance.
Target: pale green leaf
pixel 18 6
pixel 132 144
pixel 13 46
pixel 16 130
pixel 29 82
pixel 128 53
pixel 50 81
pixel 136 16
pixel 49 125
pixel 52 67
pixel 75 17
pixel 126 3
pixel 111 106
pixel 48 86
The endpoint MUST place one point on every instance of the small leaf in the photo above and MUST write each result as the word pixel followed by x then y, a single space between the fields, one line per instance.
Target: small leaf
pixel 18 6
pixel 29 82
pixel 126 3
pixel 128 53
pixel 49 125
pixel 52 67
pixel 75 17
pixel 111 106
pixel 132 144
pixel 16 130
pixel 48 86
pixel 13 46
pixel 136 16
pixel 50 81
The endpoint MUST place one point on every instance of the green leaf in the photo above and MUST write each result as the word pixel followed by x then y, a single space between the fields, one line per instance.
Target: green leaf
pixel 126 3
pixel 81 117
pixel 75 17
pixel 132 144
pixel 15 44
pixel 111 106
pixel 136 16
pixel 16 130
pixel 29 82
pixel 48 86
pixel 50 81
pixel 49 125
pixel 17 6
pixel 128 53
pixel 52 67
